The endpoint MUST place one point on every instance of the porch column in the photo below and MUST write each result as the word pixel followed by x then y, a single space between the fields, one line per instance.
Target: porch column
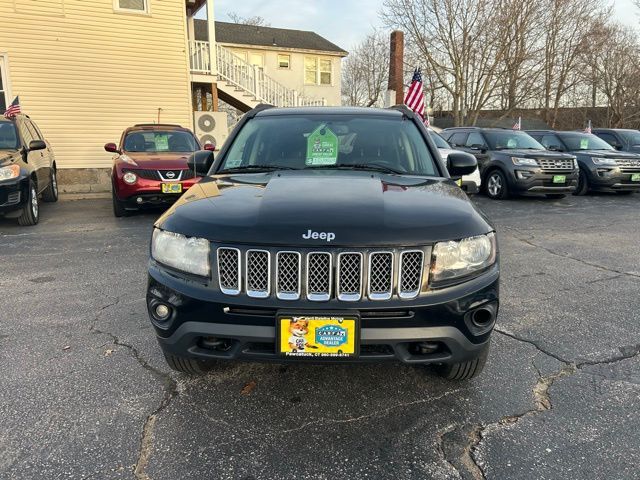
pixel 211 26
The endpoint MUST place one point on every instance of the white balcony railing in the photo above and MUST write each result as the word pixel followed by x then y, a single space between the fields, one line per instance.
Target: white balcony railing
pixel 246 78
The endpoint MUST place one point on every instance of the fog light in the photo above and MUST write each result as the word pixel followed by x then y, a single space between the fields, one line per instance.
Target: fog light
pixel 162 311
pixel 524 174
pixel 139 200
pixel 129 178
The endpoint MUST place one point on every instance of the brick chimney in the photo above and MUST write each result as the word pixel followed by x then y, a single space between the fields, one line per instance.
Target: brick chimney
pixel 396 66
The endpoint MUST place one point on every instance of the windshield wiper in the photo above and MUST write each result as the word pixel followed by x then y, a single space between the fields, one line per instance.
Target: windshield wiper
pixel 266 168
pixel 360 166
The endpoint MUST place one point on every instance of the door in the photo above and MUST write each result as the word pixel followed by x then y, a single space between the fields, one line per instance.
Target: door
pixel 477 145
pixel 47 153
pixel 35 159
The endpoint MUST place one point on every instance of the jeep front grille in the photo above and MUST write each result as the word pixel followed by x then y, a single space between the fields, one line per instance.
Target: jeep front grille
pixel 347 276
pixel 556 163
pixel 258 273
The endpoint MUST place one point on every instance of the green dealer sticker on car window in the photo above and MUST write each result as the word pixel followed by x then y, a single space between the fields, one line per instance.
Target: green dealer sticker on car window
pixel 162 142
pixel 322 147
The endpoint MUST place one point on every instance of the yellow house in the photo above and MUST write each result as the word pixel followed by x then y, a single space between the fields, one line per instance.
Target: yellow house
pixel 87 69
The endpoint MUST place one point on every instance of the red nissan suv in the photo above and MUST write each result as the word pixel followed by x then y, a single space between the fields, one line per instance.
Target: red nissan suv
pixel 150 166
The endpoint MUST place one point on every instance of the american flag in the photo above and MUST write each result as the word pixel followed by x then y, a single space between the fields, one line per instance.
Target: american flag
pixel 414 99
pixel 588 129
pixel 13 109
pixel 518 124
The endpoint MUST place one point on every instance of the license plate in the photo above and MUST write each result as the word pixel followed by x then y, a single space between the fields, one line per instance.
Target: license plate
pixel 318 336
pixel 635 177
pixel 171 188
pixel 559 178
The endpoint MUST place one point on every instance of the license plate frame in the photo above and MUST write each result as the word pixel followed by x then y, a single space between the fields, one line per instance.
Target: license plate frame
pixel 559 179
pixel 322 330
pixel 174 188
pixel 635 177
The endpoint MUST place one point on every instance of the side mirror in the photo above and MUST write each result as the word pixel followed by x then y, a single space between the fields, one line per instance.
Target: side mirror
pixel 111 147
pixel 618 147
pixel 200 162
pixel 210 147
pixel 37 145
pixel 460 163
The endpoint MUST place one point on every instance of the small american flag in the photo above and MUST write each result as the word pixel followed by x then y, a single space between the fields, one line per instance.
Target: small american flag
pixel 588 129
pixel 414 99
pixel 13 109
pixel 518 124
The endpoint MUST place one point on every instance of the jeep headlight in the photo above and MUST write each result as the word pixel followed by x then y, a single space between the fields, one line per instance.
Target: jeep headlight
pixel 527 162
pixel 451 260
pixel 182 253
pixel 604 161
pixel 7 173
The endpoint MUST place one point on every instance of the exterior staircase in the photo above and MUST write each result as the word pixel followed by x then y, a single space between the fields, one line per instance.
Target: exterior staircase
pixel 242 85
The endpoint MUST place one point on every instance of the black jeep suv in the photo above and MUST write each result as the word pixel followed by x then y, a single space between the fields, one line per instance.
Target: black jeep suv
pixel 622 139
pixel 511 162
pixel 325 234
pixel 601 166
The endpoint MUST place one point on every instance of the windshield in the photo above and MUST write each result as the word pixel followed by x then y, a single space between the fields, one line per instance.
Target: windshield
pixel 583 141
pixel 631 136
pixel 438 140
pixel 157 141
pixel 511 140
pixel 8 136
pixel 331 141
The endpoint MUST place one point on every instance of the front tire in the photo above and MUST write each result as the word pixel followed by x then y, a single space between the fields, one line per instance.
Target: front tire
pixel 31 212
pixel 496 185
pixel 51 192
pixel 118 205
pixel 188 365
pixel 583 184
pixel 464 370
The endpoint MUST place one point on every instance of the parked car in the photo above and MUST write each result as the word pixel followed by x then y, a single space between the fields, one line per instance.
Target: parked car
pixel 622 139
pixel 150 166
pixel 602 167
pixel 512 162
pixel 27 170
pixel 469 183
pixel 327 234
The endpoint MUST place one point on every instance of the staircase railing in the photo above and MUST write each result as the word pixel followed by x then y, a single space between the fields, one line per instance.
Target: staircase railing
pixel 246 78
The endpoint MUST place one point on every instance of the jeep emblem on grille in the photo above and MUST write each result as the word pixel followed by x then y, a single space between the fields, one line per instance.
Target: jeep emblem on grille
pixel 328 236
pixel 170 174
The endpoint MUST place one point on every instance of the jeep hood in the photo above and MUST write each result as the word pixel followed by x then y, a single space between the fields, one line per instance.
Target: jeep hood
pixel 359 208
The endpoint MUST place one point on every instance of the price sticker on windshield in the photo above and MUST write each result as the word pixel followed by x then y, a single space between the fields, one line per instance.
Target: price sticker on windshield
pixel 162 142
pixel 322 147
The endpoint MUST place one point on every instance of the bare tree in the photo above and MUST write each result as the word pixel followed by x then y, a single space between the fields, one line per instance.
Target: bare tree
pixel 365 72
pixel 255 20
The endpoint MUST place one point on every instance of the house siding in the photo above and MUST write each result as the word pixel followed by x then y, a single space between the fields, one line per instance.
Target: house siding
pixel 84 72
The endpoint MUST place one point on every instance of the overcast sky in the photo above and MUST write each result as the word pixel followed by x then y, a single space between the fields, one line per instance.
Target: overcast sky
pixel 343 22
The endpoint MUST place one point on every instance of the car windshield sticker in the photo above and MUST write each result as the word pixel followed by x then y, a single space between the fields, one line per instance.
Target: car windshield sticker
pixel 162 142
pixel 512 143
pixel 233 163
pixel 322 147
pixel 584 143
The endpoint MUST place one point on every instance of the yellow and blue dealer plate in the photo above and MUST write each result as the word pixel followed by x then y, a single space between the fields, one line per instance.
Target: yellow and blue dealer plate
pixel 318 336
pixel 171 188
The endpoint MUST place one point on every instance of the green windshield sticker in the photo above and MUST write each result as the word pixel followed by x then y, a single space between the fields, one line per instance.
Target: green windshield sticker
pixel 162 142
pixel 322 147
pixel 584 144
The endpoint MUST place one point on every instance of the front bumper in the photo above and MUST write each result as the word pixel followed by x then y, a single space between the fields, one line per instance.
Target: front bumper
pixel 611 179
pixel 147 192
pixel 526 180
pixel 245 329
pixel 13 195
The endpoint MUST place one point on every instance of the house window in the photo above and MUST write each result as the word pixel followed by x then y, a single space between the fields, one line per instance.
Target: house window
pixel 284 61
pixel 317 71
pixel 138 6
pixel 3 87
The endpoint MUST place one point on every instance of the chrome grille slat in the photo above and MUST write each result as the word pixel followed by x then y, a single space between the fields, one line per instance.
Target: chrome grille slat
pixel 349 276
pixel 229 270
pixel 410 277
pixel 380 286
pixel 555 163
pixel 628 162
pixel 288 270
pixel 319 276
pixel 258 276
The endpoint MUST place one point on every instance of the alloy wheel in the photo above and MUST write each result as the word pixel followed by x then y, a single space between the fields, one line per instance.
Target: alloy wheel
pixel 34 202
pixel 494 185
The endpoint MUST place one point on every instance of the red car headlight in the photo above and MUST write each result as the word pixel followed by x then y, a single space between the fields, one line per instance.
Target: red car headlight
pixel 130 178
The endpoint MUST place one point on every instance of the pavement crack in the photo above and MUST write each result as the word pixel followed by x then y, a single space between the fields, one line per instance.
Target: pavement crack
pixel 532 342
pixel 567 256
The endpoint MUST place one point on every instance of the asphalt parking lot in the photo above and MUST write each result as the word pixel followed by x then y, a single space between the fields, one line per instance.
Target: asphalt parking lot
pixel 85 392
